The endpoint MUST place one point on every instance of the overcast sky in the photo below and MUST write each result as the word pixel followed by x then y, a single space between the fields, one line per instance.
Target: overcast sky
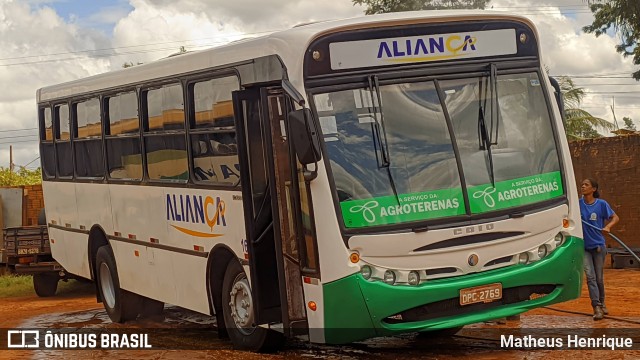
pixel 47 42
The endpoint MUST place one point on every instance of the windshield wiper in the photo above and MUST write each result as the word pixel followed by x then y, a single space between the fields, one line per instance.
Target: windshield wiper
pixel 483 134
pixel 486 142
pixel 376 105
pixel 495 105
pixel 379 128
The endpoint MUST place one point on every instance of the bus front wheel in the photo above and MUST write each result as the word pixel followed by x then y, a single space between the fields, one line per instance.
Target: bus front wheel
pixel 121 305
pixel 239 315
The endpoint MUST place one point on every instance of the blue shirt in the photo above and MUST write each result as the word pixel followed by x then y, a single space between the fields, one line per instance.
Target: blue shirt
pixel 594 214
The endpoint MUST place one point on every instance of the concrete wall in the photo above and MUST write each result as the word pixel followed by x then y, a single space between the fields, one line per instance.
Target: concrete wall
pixel 613 162
pixel 32 203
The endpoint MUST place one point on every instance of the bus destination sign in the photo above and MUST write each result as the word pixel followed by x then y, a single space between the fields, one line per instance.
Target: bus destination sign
pixel 426 48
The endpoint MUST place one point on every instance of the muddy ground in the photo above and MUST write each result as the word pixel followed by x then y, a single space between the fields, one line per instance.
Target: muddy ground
pixel 80 310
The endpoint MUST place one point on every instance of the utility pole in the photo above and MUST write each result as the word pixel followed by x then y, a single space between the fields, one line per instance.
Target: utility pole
pixel 613 111
pixel 11 159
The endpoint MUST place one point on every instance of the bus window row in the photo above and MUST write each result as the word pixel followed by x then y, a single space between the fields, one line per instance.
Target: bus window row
pixel 146 127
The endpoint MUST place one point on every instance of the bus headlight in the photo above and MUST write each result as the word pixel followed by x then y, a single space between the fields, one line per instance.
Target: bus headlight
pixel 414 278
pixel 523 258
pixel 390 277
pixel 542 251
pixel 365 271
pixel 559 239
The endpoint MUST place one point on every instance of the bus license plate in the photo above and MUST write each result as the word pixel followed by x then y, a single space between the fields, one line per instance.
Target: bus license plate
pixel 481 294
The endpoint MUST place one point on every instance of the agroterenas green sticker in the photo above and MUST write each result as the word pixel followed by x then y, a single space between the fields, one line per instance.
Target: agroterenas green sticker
pixel 435 204
pixel 406 207
pixel 516 192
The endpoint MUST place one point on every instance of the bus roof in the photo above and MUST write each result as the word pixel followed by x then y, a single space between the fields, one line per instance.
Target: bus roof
pixel 289 44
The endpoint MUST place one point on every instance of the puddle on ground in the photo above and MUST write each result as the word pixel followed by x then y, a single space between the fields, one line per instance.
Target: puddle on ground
pixel 195 330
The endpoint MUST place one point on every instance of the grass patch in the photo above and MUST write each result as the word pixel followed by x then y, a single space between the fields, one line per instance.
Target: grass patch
pixel 12 285
pixel 16 285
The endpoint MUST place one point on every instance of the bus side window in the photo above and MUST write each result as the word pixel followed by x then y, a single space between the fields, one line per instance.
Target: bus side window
pixel 164 138
pixel 124 159
pixel 88 139
pixel 46 143
pixel 63 141
pixel 212 128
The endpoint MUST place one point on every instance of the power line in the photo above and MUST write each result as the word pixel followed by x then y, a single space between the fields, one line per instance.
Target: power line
pixel 134 46
pixel 1 131
pixel 20 141
pixel 608 84
pixel 80 57
pixel 529 7
pixel 30 162
pixel 594 77
pixel 612 92
pixel 19 136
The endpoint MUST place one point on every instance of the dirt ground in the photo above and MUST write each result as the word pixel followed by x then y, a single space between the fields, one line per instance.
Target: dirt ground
pixel 79 309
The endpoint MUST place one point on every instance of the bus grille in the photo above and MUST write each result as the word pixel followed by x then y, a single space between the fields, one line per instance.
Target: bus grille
pixel 451 307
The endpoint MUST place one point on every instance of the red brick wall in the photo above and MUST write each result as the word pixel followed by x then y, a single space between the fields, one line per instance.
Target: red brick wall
pixel 613 162
pixel 33 203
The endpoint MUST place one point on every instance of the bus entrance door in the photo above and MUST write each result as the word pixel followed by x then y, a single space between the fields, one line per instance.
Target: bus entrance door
pixel 288 205
pixel 270 203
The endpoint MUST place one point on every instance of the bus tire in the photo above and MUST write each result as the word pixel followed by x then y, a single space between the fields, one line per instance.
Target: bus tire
pixel 121 305
pixel 237 310
pixel 45 284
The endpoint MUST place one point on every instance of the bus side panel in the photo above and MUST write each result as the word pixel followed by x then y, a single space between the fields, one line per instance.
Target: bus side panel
pixel 315 319
pixel 191 282
pixel 198 220
pixel 94 208
pixel 570 185
pixel 333 254
pixel 54 201
pixel 142 270
pixel 65 213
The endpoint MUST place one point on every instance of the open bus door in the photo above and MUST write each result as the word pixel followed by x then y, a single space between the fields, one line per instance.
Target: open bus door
pixel 278 218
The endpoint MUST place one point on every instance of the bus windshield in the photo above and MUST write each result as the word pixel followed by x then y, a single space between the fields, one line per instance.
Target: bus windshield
pixel 418 126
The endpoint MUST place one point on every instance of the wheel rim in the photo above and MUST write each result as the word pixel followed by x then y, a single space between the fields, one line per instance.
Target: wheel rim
pixel 106 285
pixel 241 305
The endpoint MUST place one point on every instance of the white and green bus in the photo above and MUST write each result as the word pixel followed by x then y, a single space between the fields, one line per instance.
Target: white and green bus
pixel 338 181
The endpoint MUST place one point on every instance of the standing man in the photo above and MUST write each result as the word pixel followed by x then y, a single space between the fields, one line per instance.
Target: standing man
pixel 596 212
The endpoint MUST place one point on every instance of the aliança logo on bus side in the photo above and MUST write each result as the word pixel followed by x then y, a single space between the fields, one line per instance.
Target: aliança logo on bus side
pixel 194 210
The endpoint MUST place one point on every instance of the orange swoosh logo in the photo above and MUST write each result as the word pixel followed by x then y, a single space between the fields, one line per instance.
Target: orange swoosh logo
pixel 195 233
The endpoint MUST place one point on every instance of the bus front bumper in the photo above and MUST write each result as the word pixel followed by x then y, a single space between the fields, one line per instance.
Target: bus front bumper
pixel 357 309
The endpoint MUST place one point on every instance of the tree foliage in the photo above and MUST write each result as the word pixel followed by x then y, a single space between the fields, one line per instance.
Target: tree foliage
pixel 624 17
pixel 628 123
pixel 387 6
pixel 22 176
pixel 580 124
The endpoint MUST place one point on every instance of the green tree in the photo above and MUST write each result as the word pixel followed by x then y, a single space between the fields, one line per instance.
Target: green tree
pixel 386 6
pixel 23 176
pixel 624 17
pixel 628 123
pixel 580 124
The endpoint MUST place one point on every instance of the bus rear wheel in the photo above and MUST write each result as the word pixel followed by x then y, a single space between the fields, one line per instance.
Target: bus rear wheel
pixel 121 305
pixel 239 316
pixel 45 284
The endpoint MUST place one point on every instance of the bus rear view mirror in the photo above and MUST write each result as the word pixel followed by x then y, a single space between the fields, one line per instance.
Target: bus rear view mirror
pixel 305 137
